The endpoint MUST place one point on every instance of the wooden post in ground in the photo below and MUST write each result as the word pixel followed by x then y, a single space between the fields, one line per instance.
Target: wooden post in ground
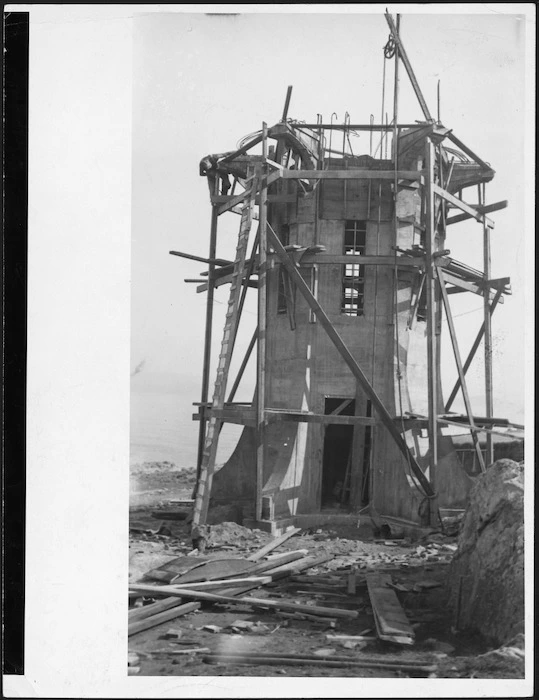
pixel 207 342
pixel 473 350
pixel 432 354
pixel 261 344
pixel 489 405
pixel 467 403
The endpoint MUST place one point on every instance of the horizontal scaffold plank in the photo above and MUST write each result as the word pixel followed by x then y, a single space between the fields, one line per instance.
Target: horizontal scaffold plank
pixel 468 286
pixel 244 416
pixel 497 206
pixel 277 414
pixel 323 259
pixel 351 174
pixel 463 206
pixel 271 198
pixel 226 279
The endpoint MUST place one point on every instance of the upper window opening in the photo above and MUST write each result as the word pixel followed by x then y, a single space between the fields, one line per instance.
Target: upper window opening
pixel 353 286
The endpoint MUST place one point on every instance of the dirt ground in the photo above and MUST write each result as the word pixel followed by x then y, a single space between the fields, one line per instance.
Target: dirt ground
pixel 418 570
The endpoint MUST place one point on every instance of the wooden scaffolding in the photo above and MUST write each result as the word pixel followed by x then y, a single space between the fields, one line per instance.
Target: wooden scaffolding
pixel 442 276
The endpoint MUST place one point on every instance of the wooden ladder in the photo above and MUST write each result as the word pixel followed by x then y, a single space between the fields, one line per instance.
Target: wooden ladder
pixel 231 325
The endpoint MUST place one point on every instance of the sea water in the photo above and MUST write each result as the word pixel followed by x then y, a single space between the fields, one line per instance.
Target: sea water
pixel 162 430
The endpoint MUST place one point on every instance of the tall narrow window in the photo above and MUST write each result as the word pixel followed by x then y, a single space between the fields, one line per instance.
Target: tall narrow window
pixel 284 237
pixel 353 285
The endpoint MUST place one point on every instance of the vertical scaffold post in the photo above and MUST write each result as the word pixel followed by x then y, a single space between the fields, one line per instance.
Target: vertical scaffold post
pixel 489 407
pixel 431 324
pixel 261 344
pixel 207 340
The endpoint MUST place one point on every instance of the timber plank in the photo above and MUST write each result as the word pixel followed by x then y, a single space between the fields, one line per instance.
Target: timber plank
pixel 274 544
pixel 252 602
pixel 391 621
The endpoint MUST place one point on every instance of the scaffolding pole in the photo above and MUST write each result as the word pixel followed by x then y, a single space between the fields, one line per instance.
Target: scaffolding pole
pixel 432 351
pixel 489 403
pixel 207 340
pixel 261 344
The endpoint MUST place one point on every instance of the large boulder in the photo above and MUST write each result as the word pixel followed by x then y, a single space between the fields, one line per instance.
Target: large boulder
pixel 486 579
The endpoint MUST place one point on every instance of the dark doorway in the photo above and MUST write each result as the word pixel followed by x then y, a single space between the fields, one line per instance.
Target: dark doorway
pixel 337 460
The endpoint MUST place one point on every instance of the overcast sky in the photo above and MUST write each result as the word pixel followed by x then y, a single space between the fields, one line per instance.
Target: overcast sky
pixel 201 82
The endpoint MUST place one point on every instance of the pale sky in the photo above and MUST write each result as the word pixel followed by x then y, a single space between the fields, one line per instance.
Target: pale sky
pixel 200 83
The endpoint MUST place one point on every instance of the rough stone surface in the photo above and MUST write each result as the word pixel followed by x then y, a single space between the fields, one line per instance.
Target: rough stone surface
pixel 488 566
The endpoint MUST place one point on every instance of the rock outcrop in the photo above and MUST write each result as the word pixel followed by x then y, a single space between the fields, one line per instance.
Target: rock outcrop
pixel 486 579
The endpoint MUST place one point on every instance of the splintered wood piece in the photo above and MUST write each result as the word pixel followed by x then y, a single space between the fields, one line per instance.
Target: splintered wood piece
pixel 181 566
pixel 217 569
pixel 274 544
pixel 392 625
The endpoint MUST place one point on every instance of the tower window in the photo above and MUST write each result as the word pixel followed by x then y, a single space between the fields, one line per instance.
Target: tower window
pixel 353 285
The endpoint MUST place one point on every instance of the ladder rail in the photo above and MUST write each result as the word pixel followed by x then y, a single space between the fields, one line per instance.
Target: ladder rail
pixel 229 333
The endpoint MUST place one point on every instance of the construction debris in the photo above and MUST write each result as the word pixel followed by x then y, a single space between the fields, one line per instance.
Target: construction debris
pixel 392 624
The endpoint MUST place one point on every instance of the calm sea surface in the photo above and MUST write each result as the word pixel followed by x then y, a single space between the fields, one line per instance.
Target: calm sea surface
pixel 162 430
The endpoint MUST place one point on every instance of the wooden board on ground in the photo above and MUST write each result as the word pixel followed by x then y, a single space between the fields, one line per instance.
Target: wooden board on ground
pixel 392 625
pixel 217 569
pixel 274 544
pixel 251 602
pixel 222 566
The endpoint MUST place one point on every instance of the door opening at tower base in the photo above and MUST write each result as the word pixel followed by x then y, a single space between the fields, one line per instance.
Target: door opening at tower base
pixel 337 460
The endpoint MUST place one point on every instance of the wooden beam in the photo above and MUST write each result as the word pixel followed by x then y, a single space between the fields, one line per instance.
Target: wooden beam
pixel 431 312
pixel 247 601
pixel 272 198
pixel 147 623
pixel 326 259
pixel 237 416
pixel 351 174
pixel 404 58
pixel 481 209
pixel 262 330
pixel 474 287
pixel 391 621
pixel 238 199
pixel 286 103
pixel 458 362
pixel 243 366
pixel 349 359
pixel 207 340
pixel 231 156
pixel 340 408
pixel 225 279
pixel 276 542
pixel 215 261
pixel 469 152
pixel 471 354
pixel 459 204
pixel 274 414
pixel 489 405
